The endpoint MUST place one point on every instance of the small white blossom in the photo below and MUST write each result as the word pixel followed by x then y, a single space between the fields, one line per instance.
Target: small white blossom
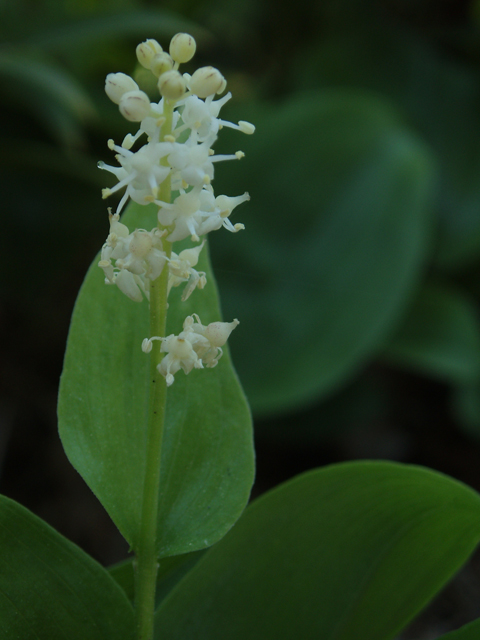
pixel 140 172
pixel 181 270
pixel 194 162
pixel 198 212
pixel 135 256
pixel 201 117
pixel 195 347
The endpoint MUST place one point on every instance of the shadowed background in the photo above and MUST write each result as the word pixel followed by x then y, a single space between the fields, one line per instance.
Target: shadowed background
pixel 357 278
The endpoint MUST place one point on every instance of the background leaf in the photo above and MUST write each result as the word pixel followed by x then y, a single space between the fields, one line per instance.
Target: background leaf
pixel 345 552
pixel 440 335
pixel 436 91
pixel 50 589
pixel 468 632
pixel 207 455
pixel 337 231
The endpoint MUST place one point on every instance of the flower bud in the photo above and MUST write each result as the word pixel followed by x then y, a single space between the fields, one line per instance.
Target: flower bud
pixel 171 85
pixel 146 51
pixel 117 84
pixel 161 63
pixel 206 81
pixel 182 47
pixel 135 106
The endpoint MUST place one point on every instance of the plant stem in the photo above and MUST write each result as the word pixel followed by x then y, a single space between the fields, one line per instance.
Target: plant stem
pixel 146 551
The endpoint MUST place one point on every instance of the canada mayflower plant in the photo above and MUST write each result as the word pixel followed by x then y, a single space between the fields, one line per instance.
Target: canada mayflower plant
pixel 153 416
pixel 169 163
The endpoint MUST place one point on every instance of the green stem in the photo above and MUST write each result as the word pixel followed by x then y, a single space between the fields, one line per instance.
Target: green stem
pixel 145 549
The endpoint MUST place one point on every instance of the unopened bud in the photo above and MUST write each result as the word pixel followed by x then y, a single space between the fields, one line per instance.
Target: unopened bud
pixel 146 51
pixel 182 47
pixel 135 106
pixel 206 81
pixel 161 63
pixel 117 84
pixel 171 85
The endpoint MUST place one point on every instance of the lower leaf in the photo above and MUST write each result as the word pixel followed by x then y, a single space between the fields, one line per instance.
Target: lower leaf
pixel 50 589
pixel 346 552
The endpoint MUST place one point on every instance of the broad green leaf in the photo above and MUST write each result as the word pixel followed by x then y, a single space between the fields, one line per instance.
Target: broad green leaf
pixel 50 589
pixel 440 335
pixel 346 552
pixel 468 632
pixel 170 571
pixel 207 454
pixel 437 92
pixel 336 233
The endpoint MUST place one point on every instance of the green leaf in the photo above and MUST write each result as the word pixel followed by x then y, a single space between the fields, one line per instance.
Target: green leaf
pixel 437 92
pixel 96 30
pixel 336 232
pixel 345 552
pixel 440 335
pixel 50 589
pixel 467 632
pixel 53 96
pixel 466 405
pixel 207 453
pixel 170 571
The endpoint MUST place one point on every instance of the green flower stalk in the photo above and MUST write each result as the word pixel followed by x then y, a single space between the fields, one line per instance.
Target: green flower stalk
pixel 142 262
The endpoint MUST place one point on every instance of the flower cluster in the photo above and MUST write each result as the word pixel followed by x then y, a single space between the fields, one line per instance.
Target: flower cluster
pixel 178 133
pixel 195 347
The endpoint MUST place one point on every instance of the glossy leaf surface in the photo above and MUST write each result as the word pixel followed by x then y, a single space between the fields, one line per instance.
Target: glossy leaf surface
pixel 50 589
pixel 207 453
pixel 345 552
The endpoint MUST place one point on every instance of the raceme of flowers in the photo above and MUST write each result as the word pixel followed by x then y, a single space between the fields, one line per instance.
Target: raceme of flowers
pixel 177 133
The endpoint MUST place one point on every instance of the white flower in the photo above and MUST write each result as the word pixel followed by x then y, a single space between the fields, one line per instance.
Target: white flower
pixel 137 256
pixel 194 162
pixel 198 212
pixel 217 211
pixel 181 270
pixel 140 172
pixel 201 117
pixel 193 348
pixel 215 336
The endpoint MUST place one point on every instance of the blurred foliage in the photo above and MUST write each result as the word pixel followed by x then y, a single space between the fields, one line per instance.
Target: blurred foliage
pixel 363 232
